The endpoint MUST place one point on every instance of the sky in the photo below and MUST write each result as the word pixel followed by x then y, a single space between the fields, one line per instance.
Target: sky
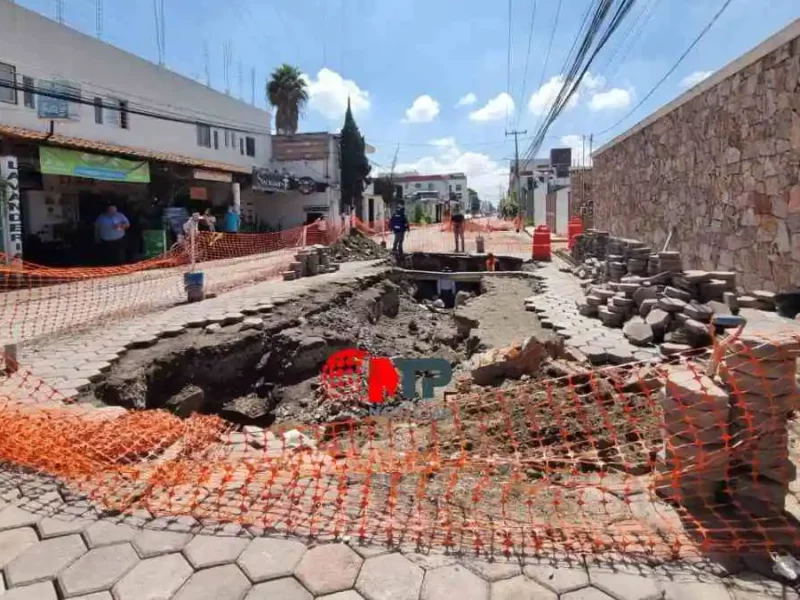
pixel 430 81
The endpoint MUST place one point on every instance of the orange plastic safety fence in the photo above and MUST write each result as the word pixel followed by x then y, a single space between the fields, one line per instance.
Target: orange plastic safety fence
pixel 648 460
pixel 37 300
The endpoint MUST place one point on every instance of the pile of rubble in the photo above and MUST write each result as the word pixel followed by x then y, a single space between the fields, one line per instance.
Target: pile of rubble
pixel 311 261
pixel 651 297
pixel 356 246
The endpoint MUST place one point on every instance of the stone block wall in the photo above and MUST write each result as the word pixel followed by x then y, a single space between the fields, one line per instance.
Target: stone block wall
pixel 721 166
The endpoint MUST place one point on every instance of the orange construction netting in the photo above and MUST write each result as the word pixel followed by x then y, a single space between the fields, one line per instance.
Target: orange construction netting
pixel 651 460
pixel 37 300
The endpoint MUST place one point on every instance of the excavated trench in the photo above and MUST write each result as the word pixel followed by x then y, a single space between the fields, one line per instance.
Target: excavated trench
pixel 262 376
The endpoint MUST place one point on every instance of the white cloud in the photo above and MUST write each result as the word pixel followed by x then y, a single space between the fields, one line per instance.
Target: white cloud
pixel 467 100
pixel 497 108
pixel 593 82
pixel 542 99
pixel 328 94
pixel 484 174
pixel 423 110
pixel 443 142
pixel 611 100
pixel 580 149
pixel 695 78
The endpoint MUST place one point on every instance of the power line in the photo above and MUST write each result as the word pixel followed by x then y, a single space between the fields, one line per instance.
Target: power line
pixel 675 66
pixel 131 110
pixel 550 45
pixel 527 59
pixel 508 61
pixel 650 10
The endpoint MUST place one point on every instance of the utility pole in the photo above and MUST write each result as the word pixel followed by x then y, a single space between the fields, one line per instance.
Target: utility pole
pixel 516 133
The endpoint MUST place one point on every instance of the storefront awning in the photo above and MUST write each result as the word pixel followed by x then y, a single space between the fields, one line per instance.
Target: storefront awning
pixel 59 161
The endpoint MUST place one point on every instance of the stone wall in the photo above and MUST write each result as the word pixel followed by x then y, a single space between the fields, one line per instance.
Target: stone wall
pixel 721 166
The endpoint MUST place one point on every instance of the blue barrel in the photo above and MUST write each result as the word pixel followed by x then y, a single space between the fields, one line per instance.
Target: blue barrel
pixel 194 283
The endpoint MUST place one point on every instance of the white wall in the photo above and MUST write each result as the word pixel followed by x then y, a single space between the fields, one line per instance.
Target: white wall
pixel 43 49
pixel 562 210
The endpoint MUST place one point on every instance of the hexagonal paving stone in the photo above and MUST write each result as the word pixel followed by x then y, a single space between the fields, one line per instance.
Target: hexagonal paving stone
pixel 61 525
pixel 14 542
pixel 12 517
pixel 287 588
pixel 626 582
pixel 346 595
pixel 97 570
pixel 389 577
pixel 217 583
pixel 493 570
pixel 681 590
pixel 327 569
pixel 270 558
pixel 561 579
pixel 455 581
pixel 96 596
pixel 152 542
pixel 591 593
pixel 158 577
pixel 38 591
pixel 44 560
pixel 105 533
pixel 432 560
pixel 520 588
pixel 214 550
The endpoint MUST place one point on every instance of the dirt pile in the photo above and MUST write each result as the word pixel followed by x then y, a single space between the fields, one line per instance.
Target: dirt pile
pixel 356 246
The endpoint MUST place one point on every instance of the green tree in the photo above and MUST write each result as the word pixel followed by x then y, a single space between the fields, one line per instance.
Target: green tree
pixel 418 216
pixel 287 92
pixel 508 207
pixel 354 164
pixel 474 201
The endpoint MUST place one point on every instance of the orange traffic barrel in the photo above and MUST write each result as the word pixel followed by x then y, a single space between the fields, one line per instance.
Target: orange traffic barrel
pixel 574 227
pixel 541 249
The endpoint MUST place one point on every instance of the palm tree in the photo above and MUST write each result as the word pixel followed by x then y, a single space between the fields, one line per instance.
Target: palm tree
pixel 287 92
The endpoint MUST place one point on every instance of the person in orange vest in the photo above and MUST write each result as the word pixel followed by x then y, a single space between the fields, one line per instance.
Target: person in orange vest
pixel 491 262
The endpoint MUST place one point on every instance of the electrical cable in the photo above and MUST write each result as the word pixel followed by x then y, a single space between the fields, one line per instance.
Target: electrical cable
pixel 650 9
pixel 672 69
pixel 549 45
pixel 128 109
pixel 527 60
pixel 508 61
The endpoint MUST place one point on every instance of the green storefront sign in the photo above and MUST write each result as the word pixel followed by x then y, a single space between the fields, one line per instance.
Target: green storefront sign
pixel 58 161
pixel 155 242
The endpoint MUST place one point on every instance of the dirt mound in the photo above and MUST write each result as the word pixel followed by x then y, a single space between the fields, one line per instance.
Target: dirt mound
pixel 356 246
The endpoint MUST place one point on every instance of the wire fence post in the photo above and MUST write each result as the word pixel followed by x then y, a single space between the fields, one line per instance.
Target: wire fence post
pixel 192 248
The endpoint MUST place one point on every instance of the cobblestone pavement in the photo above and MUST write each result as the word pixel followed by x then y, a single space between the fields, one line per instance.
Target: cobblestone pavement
pixel 33 312
pixel 71 363
pixel 54 545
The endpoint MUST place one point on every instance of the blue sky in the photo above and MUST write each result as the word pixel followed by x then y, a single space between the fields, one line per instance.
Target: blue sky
pixel 432 76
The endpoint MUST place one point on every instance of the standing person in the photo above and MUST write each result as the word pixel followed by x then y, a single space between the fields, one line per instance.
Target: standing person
pixel 206 221
pixel 399 225
pixel 109 232
pixel 231 224
pixel 457 218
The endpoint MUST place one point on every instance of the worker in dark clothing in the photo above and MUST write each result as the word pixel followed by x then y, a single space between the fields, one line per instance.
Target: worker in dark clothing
pixel 399 225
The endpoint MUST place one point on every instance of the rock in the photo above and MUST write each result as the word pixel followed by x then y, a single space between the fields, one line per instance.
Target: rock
pixel 764 296
pixel 748 301
pixel 673 292
pixel 658 319
pixel 699 312
pixel 731 301
pixel 462 297
pixel 697 333
pixel 611 318
pixel 297 440
pixel 213 328
pixel 647 305
pixel 252 323
pixel 438 303
pixel 638 334
pixel 696 276
pixel 189 400
pixel 248 407
pixel 512 362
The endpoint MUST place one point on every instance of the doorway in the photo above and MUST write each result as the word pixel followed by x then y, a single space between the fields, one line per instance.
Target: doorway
pixel 313 217
pixel 371 211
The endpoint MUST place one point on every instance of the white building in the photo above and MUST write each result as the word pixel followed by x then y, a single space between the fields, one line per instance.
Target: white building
pixel 87 104
pixel 544 192
pixel 433 191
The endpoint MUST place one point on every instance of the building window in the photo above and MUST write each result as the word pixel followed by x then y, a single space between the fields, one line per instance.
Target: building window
pixel 216 140
pixel 227 139
pixel 8 75
pixel 98 111
pixel 203 136
pixel 233 141
pixel 417 186
pixel 27 96
pixel 241 146
pixel 123 114
pixel 430 186
pixel 250 146
pixel 458 187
